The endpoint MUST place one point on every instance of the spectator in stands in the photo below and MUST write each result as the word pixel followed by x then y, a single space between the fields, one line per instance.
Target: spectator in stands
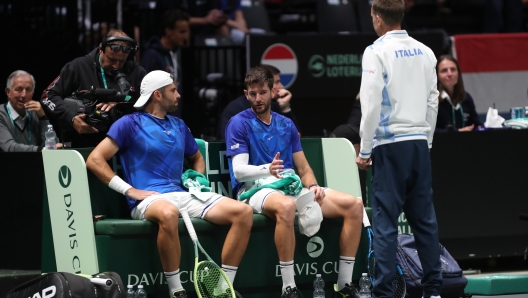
pixel 236 26
pixel 97 69
pixel 350 130
pixel 163 52
pixel 152 147
pixel 210 17
pixel 399 101
pixel 503 16
pixel 280 104
pixel 456 109
pixel 22 119
pixel 263 147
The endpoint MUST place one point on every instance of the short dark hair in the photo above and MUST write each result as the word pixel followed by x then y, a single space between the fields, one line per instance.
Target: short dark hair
pixel 459 92
pixel 259 75
pixel 169 19
pixel 390 11
pixel 274 70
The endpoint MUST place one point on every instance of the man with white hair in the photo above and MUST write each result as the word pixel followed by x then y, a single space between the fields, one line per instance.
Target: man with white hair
pixel 22 120
pixel 152 147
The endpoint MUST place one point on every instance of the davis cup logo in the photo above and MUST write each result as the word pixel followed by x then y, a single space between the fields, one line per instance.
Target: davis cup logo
pixel 282 57
pixel 315 247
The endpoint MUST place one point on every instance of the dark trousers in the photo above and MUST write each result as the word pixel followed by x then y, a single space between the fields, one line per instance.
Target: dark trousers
pixel 401 180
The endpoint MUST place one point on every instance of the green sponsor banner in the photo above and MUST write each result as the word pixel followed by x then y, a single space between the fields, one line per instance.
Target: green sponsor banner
pixel 70 211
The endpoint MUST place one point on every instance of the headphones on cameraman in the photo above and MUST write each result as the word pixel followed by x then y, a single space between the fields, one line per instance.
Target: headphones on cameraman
pixel 133 45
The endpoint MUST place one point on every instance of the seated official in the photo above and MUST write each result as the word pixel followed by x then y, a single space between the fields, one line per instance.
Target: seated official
pixel 280 104
pixel 456 109
pixel 22 120
pixel 99 69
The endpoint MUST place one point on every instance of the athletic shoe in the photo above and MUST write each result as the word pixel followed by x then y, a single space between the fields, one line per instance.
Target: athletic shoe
pixel 291 293
pixel 179 294
pixel 348 291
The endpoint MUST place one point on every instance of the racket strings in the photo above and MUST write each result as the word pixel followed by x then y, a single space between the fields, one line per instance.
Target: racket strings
pixel 210 282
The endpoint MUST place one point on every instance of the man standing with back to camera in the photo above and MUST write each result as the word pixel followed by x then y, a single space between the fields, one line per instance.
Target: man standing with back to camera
pixel 399 103
pixel 97 69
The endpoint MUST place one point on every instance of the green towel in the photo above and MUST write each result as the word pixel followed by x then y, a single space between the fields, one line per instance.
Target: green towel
pixel 197 185
pixel 290 184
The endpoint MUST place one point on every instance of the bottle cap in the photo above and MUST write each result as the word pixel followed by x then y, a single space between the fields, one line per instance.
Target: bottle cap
pixel 364 274
pixel 130 286
pixel 140 287
pixel 318 275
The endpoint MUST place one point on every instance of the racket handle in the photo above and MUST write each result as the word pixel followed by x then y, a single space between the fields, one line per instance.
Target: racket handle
pixel 188 224
pixel 366 221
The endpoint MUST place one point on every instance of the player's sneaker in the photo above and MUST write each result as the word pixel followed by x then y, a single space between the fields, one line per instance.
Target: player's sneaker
pixel 179 294
pixel 348 291
pixel 291 293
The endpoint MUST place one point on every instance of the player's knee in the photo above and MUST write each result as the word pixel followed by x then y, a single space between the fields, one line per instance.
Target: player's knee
pixel 355 207
pixel 286 211
pixel 244 214
pixel 168 220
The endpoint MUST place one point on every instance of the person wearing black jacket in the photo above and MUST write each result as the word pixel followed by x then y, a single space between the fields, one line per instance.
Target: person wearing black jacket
pixel 456 108
pixel 98 70
pixel 163 52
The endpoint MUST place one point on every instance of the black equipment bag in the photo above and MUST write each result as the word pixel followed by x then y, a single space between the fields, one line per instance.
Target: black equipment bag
pixel 68 285
pixel 407 256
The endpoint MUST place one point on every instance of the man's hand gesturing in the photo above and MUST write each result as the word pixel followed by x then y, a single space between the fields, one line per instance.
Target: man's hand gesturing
pixel 276 166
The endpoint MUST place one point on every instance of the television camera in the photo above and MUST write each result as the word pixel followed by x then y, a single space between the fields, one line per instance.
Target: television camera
pixel 85 102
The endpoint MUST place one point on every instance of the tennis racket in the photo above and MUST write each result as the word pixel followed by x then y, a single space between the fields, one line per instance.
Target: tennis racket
pixel 398 283
pixel 210 281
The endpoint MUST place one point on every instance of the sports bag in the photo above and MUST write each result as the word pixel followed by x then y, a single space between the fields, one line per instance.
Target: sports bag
pixel 67 285
pixel 407 256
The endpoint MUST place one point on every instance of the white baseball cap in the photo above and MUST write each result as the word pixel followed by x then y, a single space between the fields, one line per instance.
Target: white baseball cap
pixel 152 82
pixel 310 214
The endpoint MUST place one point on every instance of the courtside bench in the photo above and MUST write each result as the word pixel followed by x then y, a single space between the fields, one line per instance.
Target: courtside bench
pixel 129 246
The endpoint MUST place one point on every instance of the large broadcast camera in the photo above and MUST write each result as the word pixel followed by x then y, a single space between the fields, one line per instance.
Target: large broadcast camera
pixel 85 102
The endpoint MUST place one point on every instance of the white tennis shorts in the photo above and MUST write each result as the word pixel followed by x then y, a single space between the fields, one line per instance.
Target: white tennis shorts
pixel 259 198
pixel 195 207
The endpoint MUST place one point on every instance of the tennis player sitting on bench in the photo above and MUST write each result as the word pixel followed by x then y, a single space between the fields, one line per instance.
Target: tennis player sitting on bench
pixel 263 148
pixel 152 148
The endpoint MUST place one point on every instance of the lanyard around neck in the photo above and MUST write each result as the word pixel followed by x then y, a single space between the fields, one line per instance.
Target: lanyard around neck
pixel 14 127
pixel 461 113
pixel 102 73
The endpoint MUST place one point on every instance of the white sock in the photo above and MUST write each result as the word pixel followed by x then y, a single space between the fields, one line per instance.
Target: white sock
pixel 287 275
pixel 346 267
pixel 230 271
pixel 173 280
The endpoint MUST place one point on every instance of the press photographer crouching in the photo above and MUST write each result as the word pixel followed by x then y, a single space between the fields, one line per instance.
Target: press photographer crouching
pixel 83 81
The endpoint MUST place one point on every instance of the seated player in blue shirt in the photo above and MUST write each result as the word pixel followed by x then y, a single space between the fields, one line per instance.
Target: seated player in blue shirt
pixel 263 147
pixel 152 146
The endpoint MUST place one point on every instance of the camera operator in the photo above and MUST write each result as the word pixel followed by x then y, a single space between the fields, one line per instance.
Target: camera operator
pixel 98 69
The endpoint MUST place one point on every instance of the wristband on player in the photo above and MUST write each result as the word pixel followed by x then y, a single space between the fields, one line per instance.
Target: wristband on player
pixel 119 185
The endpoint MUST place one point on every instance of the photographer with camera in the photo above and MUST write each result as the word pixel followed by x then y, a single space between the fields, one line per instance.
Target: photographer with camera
pixel 111 66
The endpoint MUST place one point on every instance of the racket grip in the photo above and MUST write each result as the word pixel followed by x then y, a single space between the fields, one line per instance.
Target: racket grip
pixel 366 221
pixel 188 224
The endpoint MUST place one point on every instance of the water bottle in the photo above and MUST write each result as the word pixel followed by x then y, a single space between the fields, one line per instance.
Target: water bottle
pixel 318 287
pixel 364 286
pixel 141 293
pixel 130 292
pixel 51 143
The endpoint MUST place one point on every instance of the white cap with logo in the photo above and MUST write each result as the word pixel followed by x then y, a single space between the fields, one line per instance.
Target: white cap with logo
pixel 310 214
pixel 152 82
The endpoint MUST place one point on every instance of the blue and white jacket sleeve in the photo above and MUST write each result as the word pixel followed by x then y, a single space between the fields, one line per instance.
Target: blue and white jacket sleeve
pixel 372 85
pixel 432 106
